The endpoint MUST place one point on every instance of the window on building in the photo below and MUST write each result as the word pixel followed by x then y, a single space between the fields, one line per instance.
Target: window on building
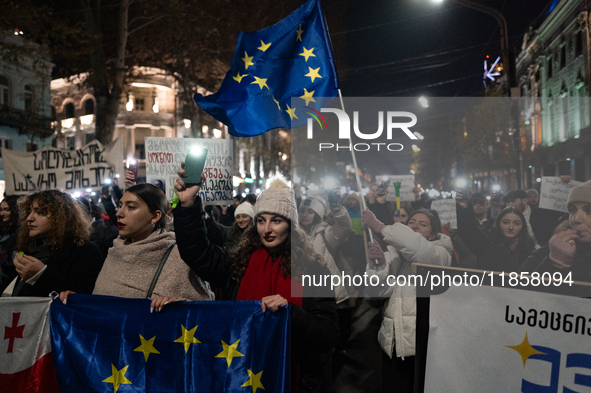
pixel 5 143
pixel 4 89
pixel 550 61
pixel 89 107
pixel 562 56
pixel 71 143
pixel 28 98
pixel 579 43
pixel 140 151
pixel 70 111
pixel 89 138
pixel 139 104
pixel 31 146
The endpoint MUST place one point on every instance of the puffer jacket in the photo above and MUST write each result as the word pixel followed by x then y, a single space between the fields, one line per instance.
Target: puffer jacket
pixel 405 246
pixel 326 239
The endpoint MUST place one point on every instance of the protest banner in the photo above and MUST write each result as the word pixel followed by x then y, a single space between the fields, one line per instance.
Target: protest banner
pixel 164 157
pixel 407 183
pixel 487 339
pixel 47 168
pixel 103 344
pixel 447 211
pixel 554 193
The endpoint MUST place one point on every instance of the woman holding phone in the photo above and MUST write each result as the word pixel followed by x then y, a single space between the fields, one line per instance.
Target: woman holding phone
pixel 261 269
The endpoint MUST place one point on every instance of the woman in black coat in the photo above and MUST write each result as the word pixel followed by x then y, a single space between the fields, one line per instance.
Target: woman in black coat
pixel 54 253
pixel 261 268
pixel 504 247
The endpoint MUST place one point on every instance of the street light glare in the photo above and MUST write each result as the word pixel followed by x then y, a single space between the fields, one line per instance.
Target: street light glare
pixel 437 1
pixel 423 101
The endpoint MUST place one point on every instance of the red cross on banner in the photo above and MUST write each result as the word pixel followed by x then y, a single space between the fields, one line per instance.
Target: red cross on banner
pixel 14 331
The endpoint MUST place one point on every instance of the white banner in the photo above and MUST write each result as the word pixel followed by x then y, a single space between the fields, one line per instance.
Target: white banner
pixel 47 168
pixel 554 193
pixel 164 156
pixel 486 339
pixel 407 183
pixel 447 211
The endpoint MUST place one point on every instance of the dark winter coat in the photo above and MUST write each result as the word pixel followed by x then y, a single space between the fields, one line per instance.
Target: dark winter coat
pixel 314 326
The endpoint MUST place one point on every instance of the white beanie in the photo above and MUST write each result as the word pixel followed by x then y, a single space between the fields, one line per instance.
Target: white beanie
pixel 244 208
pixel 315 203
pixel 277 199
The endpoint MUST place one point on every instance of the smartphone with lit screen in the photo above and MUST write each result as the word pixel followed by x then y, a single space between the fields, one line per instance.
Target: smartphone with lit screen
pixel 194 164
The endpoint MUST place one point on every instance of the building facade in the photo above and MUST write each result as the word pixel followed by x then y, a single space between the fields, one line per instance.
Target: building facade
pixel 25 97
pixel 554 76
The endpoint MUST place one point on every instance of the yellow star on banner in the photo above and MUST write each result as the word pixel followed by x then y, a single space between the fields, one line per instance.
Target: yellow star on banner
pixel 118 377
pixel 229 352
pixel 308 96
pixel 254 380
pixel 525 350
pixel 277 102
pixel 262 82
pixel 291 112
pixel 313 74
pixel 147 347
pixel 187 338
pixel 264 46
pixel 299 31
pixel 247 60
pixel 307 53
pixel 238 77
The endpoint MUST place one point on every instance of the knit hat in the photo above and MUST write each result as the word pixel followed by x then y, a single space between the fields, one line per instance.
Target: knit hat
pixel 515 194
pixel 277 199
pixel 244 208
pixel 315 203
pixel 581 193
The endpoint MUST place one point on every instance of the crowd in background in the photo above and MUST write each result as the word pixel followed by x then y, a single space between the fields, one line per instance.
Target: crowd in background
pixel 132 244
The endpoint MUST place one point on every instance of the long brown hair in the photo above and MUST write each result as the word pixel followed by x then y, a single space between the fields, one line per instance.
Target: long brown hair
pixel 298 247
pixel 67 219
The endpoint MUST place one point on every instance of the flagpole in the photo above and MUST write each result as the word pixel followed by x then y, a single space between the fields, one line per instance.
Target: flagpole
pixel 358 179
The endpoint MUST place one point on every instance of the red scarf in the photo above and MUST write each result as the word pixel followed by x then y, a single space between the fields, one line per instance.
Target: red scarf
pixel 264 277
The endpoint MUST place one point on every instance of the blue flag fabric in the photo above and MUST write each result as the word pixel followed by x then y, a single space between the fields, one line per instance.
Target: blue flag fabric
pixel 107 344
pixel 292 58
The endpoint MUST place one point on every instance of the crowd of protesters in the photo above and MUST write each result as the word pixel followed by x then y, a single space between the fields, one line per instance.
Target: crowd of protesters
pixel 133 245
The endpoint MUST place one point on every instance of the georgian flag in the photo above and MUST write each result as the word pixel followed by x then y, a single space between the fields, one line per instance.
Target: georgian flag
pixel 26 363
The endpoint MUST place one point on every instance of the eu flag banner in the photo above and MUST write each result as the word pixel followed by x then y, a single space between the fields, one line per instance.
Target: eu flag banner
pixel 107 344
pixel 292 58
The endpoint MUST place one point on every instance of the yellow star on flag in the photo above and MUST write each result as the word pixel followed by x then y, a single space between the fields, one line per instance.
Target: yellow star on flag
pixel 187 338
pixel 147 347
pixel 262 82
pixel 247 60
pixel 254 380
pixel 299 31
pixel 525 350
pixel 291 112
pixel 308 96
pixel 118 377
pixel 277 102
pixel 307 53
pixel 238 77
pixel 229 352
pixel 313 74
pixel 264 46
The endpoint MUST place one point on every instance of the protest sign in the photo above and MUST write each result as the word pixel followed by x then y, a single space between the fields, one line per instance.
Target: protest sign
pixel 407 183
pixel 554 193
pixel 47 168
pixel 164 157
pixel 447 211
pixel 487 339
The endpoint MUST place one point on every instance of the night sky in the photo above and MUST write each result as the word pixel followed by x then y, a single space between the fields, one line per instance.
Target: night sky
pixel 416 47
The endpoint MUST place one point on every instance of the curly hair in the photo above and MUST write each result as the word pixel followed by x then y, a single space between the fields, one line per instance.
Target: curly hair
pixel 298 247
pixel 67 219
pixel 12 225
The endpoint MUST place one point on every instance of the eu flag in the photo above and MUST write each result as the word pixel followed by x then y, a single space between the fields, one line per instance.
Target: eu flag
pixel 107 344
pixel 292 58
